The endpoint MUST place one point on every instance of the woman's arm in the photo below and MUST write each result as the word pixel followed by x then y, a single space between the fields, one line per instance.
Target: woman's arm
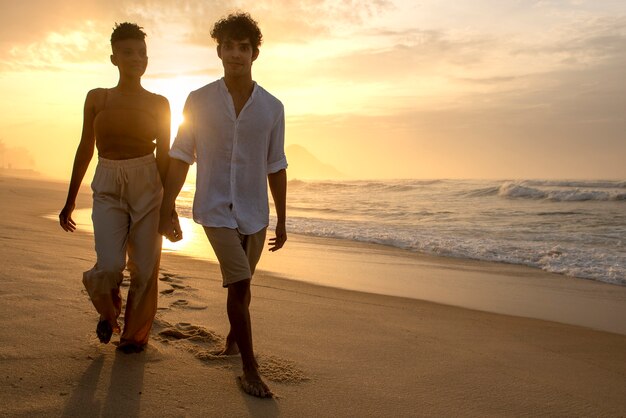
pixel 83 156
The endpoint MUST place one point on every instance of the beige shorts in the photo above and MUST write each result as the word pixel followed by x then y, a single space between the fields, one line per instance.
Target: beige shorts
pixel 238 254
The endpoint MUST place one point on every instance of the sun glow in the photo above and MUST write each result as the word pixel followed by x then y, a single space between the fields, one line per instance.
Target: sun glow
pixel 175 89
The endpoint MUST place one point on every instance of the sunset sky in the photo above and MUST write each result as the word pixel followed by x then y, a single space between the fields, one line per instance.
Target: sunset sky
pixel 379 88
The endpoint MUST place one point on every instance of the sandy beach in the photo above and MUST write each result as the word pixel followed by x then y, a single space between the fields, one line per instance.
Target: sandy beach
pixel 519 342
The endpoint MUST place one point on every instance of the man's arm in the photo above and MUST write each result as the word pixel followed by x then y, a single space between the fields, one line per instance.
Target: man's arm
pixel 163 137
pixel 168 224
pixel 278 187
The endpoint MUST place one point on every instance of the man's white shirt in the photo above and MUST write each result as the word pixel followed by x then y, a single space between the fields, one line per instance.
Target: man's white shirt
pixel 234 155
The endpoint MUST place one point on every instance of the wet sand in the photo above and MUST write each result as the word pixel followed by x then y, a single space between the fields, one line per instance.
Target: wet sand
pixel 324 351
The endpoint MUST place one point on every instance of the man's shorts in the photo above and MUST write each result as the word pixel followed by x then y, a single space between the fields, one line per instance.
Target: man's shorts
pixel 238 254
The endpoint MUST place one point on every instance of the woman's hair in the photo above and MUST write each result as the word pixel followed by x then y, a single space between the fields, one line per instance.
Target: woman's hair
pixel 238 26
pixel 126 30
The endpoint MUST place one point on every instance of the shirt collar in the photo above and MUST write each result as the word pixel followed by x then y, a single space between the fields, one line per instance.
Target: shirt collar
pixel 224 89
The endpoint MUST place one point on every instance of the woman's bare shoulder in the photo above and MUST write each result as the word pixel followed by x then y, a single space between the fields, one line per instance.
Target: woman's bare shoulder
pixel 160 99
pixel 160 102
pixel 97 92
pixel 96 96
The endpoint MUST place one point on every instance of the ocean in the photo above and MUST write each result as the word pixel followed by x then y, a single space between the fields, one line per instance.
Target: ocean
pixel 575 228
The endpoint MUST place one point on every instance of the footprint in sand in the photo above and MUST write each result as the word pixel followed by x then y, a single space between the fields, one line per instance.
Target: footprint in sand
pixel 280 370
pixel 184 304
pixel 177 286
pixel 174 282
pixel 169 277
pixel 204 344
pixel 199 341
pixel 187 331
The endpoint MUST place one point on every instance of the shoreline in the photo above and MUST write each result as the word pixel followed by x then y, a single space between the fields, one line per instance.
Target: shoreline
pixel 422 358
pixel 479 285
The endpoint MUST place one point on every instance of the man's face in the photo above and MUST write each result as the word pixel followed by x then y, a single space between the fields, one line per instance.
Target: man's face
pixel 237 56
pixel 130 56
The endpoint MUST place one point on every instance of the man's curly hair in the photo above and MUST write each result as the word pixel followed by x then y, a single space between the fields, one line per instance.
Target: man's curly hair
pixel 237 26
pixel 126 30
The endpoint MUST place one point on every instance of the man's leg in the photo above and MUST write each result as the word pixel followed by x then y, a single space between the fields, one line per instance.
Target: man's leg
pixel 238 256
pixel 237 306
pixel 253 247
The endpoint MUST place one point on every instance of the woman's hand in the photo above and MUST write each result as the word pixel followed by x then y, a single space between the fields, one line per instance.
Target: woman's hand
pixel 65 218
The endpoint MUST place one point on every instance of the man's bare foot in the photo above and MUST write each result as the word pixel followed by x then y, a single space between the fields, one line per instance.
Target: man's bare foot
pixel 230 349
pixel 252 384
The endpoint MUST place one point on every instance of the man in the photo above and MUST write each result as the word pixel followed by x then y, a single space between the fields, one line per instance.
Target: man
pixel 234 129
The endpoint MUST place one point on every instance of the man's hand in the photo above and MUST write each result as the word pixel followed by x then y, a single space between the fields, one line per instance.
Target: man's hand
pixel 279 240
pixel 169 227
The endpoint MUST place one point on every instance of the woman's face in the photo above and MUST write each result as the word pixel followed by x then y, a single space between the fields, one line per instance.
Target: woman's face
pixel 130 56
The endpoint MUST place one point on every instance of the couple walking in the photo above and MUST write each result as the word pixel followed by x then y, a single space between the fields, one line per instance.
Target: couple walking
pixel 234 130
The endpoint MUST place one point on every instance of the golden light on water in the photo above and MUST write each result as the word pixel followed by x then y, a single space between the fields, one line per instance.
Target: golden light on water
pixel 194 243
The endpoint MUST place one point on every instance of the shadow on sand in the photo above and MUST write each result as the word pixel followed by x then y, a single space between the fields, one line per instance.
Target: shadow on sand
pixel 123 393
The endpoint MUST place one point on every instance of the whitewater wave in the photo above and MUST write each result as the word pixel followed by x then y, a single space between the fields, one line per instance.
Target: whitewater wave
pixel 595 264
pixel 600 184
pixel 361 185
pixel 525 190
pixel 577 228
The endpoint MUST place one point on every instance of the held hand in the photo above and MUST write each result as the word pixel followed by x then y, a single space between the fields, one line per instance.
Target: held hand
pixel 169 227
pixel 279 240
pixel 178 232
pixel 65 218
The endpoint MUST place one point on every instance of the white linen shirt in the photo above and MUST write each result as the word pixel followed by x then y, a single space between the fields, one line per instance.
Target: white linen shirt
pixel 234 155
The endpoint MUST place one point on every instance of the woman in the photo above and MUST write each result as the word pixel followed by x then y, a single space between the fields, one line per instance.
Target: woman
pixel 126 123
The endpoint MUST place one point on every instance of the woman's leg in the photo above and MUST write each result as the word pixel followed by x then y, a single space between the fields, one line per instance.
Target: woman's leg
pixel 144 255
pixel 111 223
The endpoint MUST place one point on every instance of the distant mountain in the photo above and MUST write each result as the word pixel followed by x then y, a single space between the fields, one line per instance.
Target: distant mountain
pixel 305 166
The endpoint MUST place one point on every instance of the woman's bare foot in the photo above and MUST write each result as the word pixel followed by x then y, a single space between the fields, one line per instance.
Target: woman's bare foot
pixel 252 384
pixel 104 330
pixel 130 348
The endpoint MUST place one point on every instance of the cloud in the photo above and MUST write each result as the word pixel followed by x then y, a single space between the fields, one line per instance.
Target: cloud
pixel 58 50
pixel 583 41
pixel 555 119
pixel 441 65
pixel 48 35
pixel 286 21
pixel 474 78
pixel 420 52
